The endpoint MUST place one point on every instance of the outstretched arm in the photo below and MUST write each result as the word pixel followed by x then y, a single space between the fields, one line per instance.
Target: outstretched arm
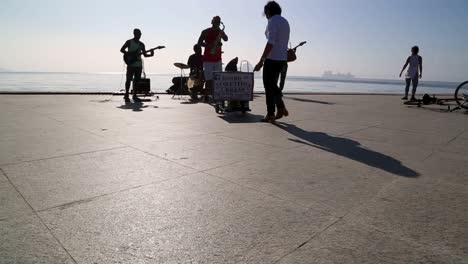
pixel 404 66
pixel 125 45
pixel 145 53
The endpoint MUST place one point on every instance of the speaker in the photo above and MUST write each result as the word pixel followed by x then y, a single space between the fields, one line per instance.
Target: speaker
pixel 143 86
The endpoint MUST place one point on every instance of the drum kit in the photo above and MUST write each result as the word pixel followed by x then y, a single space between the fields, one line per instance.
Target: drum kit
pixel 180 90
pixel 192 81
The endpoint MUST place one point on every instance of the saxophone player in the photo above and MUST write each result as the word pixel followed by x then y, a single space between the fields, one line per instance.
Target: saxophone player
pixel 210 39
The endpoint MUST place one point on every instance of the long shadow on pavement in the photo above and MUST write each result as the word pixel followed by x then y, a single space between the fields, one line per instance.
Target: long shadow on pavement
pixel 307 100
pixel 348 148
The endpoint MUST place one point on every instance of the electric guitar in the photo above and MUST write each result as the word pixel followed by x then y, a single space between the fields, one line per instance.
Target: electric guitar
pixel 300 44
pixel 292 52
pixel 131 57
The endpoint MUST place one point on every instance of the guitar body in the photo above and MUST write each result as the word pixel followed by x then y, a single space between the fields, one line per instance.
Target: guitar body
pixel 130 58
pixel 292 52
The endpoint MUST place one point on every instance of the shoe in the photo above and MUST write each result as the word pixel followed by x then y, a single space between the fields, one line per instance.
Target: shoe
pixel 282 112
pixel 404 98
pixel 135 98
pixel 268 119
pixel 126 98
pixel 413 99
pixel 279 115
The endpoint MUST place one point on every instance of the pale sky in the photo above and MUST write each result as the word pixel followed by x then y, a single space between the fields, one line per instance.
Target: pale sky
pixel 369 38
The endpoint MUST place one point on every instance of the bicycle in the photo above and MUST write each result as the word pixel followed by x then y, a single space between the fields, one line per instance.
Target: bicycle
pixel 461 95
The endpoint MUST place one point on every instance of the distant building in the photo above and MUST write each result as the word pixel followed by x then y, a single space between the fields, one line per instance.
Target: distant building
pixel 331 75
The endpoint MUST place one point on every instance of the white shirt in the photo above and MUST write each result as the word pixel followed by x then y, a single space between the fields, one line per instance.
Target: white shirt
pixel 413 68
pixel 277 33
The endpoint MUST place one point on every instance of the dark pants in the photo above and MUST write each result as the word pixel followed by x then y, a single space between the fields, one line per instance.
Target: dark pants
pixel 271 73
pixel 415 81
pixel 284 72
pixel 133 73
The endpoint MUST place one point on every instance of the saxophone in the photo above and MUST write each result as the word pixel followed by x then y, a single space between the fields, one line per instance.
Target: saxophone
pixel 218 42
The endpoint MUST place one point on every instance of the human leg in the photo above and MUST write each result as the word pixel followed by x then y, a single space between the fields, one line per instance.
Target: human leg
pixel 208 72
pixel 136 80
pixel 415 81
pixel 270 84
pixel 128 80
pixel 408 82
pixel 278 69
pixel 209 68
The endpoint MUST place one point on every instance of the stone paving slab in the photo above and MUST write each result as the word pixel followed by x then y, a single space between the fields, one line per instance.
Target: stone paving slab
pixel 351 243
pixel 27 240
pixel 429 213
pixel 198 219
pixel 314 181
pixel 12 204
pixel 53 182
pixel 343 179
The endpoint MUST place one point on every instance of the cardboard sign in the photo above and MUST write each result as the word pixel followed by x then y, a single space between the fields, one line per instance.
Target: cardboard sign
pixel 233 86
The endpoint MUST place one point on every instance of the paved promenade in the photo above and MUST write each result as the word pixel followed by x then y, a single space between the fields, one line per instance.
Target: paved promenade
pixel 343 179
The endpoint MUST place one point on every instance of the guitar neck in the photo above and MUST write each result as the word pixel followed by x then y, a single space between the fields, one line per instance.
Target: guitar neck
pixel 299 45
pixel 141 52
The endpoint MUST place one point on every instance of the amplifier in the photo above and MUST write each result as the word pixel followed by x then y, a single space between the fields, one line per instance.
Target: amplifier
pixel 143 86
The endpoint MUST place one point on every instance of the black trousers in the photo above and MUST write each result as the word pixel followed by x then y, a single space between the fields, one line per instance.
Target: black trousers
pixel 413 80
pixel 133 73
pixel 271 73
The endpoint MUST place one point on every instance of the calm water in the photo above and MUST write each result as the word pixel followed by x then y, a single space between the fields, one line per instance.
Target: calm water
pixel 112 82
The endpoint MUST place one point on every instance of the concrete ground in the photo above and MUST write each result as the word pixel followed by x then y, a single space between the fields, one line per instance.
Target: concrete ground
pixel 343 179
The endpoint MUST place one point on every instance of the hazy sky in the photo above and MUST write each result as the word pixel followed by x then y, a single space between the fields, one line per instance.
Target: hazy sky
pixel 369 38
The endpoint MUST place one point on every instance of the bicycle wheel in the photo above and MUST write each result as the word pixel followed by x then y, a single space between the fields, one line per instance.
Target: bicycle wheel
pixel 461 95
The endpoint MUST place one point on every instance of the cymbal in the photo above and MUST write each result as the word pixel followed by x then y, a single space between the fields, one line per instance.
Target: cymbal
pixel 181 65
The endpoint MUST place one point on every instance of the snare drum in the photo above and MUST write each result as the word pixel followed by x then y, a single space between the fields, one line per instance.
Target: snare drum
pixel 194 82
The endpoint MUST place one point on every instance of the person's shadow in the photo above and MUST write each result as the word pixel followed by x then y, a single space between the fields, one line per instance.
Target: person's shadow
pixel 348 148
pixel 135 106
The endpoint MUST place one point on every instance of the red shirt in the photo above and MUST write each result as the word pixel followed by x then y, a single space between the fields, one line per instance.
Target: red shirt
pixel 210 39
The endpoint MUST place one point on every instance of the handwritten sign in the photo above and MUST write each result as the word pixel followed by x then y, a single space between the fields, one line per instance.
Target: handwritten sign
pixel 233 86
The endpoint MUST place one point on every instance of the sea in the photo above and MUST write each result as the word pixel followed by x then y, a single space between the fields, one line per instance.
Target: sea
pixel 70 82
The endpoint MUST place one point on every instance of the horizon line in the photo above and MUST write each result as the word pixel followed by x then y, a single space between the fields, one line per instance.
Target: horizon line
pixel 355 78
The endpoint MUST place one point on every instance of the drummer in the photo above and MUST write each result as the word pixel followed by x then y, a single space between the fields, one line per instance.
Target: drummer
pixel 195 62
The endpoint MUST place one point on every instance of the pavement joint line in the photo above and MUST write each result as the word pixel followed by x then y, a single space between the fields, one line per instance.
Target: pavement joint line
pixel 91 199
pixel 124 145
pixel 407 239
pixel 58 157
pixel 358 130
pixel 429 155
pixel 341 218
pixel 408 131
pixel 252 141
pixel 456 137
pixel 273 196
pixel 38 216
pixel 334 122
pixel 157 156
pixel 206 171
pixel 310 239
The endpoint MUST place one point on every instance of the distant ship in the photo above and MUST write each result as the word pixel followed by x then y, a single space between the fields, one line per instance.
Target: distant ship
pixel 331 75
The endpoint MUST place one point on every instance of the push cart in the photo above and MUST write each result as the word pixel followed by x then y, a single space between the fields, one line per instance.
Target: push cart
pixel 233 91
